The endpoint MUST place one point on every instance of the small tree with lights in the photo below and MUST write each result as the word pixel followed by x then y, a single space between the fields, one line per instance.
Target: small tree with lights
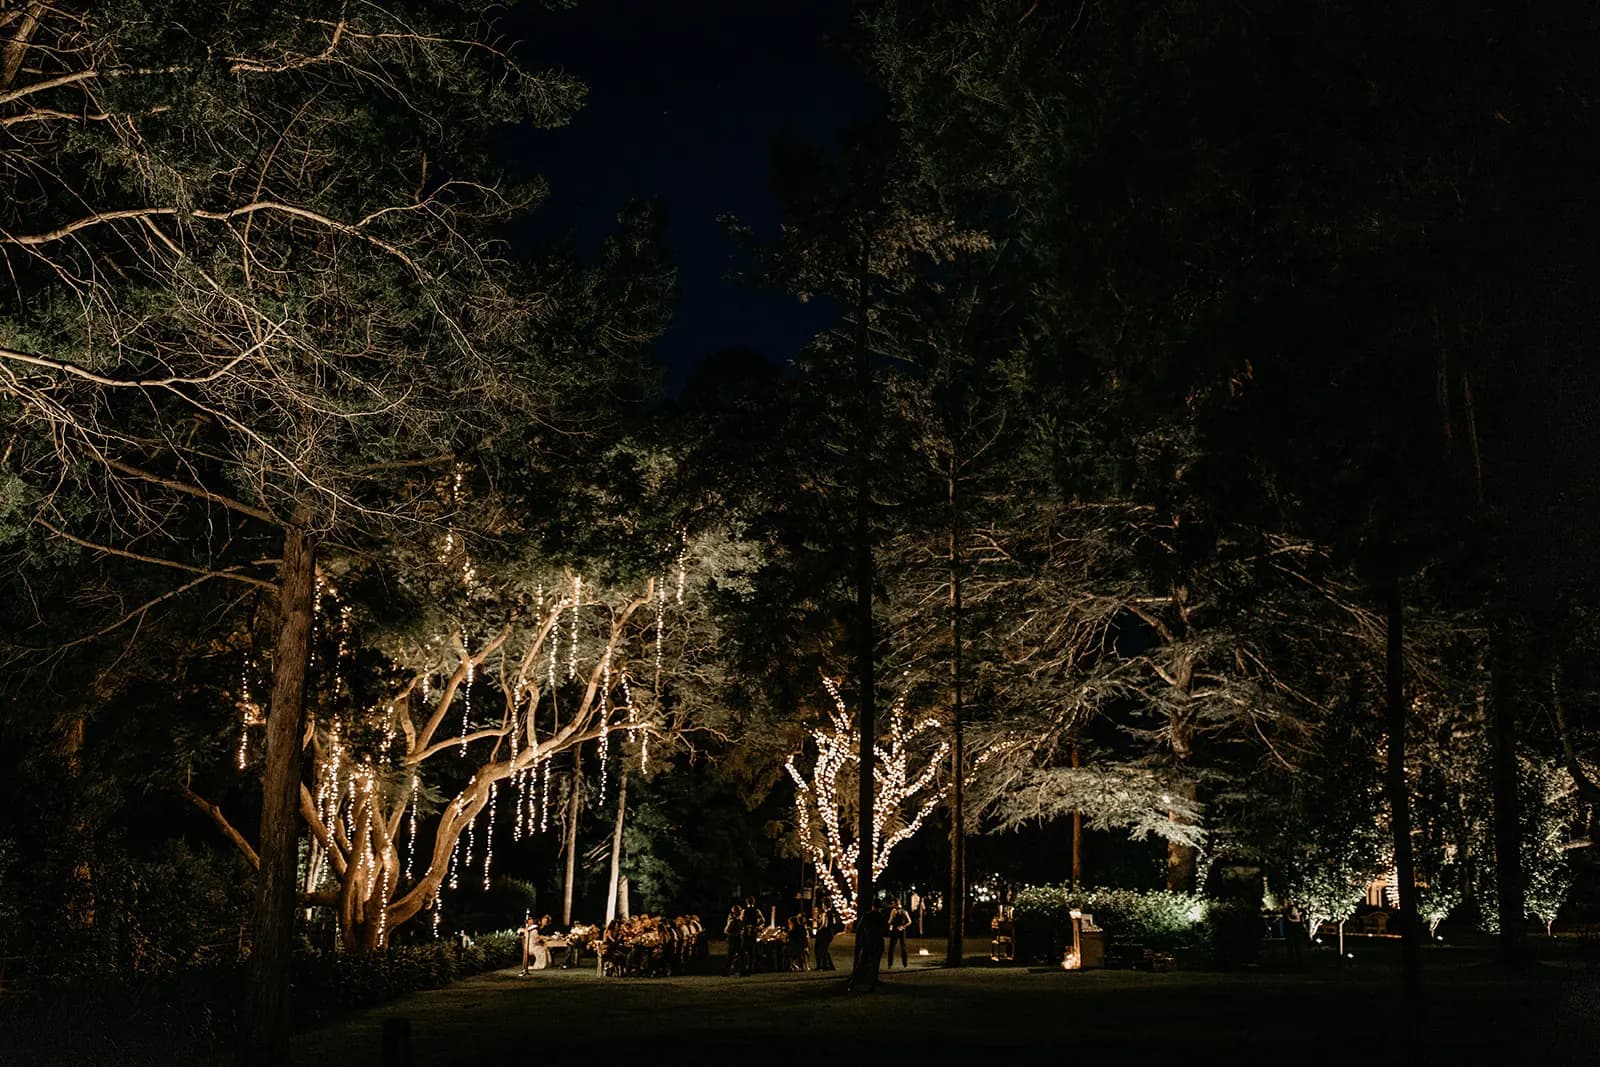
pixel 905 772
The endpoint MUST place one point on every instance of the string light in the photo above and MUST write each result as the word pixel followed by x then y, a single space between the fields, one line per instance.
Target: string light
pixel 627 700
pixel 554 637
pixel 466 704
pixel 316 617
pixel 343 650
pixel 488 836
pixel 350 809
pixel 383 909
pixel 519 807
pixel 544 795
pixel 635 726
pixel 472 824
pixel 388 734
pixel 682 552
pixel 605 688
pixel 661 616
pixel 411 842
pixel 519 790
pixel 249 713
pixel 455 852
pixel 577 600
pixel 897 794
pixel 436 916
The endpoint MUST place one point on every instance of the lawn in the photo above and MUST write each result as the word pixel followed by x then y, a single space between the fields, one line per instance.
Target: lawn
pixel 932 1014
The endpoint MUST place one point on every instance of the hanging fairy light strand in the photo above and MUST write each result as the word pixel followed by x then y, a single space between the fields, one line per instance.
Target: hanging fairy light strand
pixel 248 711
pixel 455 853
pixel 661 617
pixel 383 909
pixel 577 602
pixel 683 553
pixel 488 835
pixel 411 836
pixel 544 795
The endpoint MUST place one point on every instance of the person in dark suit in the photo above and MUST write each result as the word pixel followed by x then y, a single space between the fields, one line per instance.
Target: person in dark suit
pixel 871 929
pixel 750 931
pixel 899 923
pixel 734 928
pixel 827 927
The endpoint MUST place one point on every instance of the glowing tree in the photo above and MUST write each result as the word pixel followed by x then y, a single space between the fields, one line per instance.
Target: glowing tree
pixel 904 772
pixel 403 795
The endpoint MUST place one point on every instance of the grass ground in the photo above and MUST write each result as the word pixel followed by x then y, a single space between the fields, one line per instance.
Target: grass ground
pixel 927 1014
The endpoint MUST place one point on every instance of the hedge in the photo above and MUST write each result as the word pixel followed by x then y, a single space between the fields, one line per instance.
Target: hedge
pixel 1157 919
pixel 188 1015
pixel 331 984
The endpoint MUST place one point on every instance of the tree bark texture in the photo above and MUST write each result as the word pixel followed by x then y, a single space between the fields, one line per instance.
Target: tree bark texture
pixel 574 809
pixel 1512 910
pixel 866 663
pixel 1400 800
pixel 264 1030
pixel 958 763
pixel 1077 835
pixel 1182 860
pixel 616 847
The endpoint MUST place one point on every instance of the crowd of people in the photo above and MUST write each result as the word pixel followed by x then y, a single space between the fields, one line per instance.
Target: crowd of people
pixel 649 946
pixel 804 942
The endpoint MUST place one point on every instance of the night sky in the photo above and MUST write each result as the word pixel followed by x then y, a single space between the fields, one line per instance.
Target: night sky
pixel 687 98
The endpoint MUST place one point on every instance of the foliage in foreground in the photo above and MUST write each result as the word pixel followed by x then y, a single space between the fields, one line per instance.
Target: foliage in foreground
pixel 190 1013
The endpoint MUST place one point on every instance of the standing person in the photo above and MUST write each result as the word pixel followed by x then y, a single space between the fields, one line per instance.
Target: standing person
pixel 916 910
pixel 795 942
pixel 827 927
pixel 529 929
pixel 748 935
pixel 1295 934
pixel 734 929
pixel 899 923
pixel 871 929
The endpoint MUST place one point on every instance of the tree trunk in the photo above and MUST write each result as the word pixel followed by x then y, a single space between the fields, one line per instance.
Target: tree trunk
pixel 1077 836
pixel 1511 910
pixel 616 846
pixel 80 832
pixel 866 665
pixel 1400 803
pixel 1182 860
pixel 958 761
pixel 264 1031
pixel 15 49
pixel 574 809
